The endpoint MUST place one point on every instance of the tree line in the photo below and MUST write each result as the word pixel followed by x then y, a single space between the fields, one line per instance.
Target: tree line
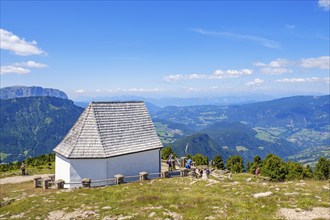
pixel 272 166
pixel 43 160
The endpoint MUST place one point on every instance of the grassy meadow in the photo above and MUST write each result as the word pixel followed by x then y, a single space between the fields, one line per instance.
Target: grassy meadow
pixel 173 198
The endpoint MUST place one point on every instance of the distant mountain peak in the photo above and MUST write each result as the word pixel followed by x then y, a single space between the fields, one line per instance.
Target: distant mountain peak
pixel 29 91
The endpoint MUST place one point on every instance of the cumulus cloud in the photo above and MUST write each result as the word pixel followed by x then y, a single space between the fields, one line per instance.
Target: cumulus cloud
pixel 280 66
pixel 275 71
pixel 256 82
pixel 13 69
pixel 320 62
pixel 17 45
pixel 220 74
pixel 172 78
pixel 299 80
pixel 217 74
pixel 80 91
pixel 33 64
pixel 259 40
pixel 325 4
pixel 275 67
pixel 146 90
pixel 22 67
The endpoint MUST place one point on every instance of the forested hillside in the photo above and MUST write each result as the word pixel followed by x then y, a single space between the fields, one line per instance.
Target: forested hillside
pixel 34 125
pixel 284 126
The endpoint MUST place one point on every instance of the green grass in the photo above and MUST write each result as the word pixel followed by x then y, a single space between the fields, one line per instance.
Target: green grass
pixel 187 197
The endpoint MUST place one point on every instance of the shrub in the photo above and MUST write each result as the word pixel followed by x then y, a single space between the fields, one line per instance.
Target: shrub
pixel 274 167
pixel 166 152
pixel 235 164
pixel 218 162
pixel 295 171
pixel 322 169
pixel 257 162
pixel 200 160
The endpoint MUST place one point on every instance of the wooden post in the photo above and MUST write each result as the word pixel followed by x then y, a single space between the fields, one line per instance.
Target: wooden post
pixel 183 172
pixel 59 184
pixel 52 177
pixel 37 181
pixel 86 182
pixel 165 174
pixel 45 183
pixel 143 176
pixel 183 161
pixel 119 178
pixel 173 165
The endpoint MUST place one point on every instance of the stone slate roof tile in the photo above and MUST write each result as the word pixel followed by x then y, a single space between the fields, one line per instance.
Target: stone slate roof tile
pixel 107 129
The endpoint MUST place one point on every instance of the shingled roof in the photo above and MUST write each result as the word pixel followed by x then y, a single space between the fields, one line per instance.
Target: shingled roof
pixel 107 129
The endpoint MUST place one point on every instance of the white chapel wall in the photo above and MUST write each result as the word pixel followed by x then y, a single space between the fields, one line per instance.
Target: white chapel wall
pixel 62 168
pixel 132 164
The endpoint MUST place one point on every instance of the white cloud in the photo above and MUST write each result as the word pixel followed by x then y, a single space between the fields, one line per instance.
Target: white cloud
pixel 259 40
pixel 256 82
pixel 325 4
pixel 33 64
pixel 191 89
pixel 17 45
pixel 275 71
pixel 320 62
pixel 279 66
pixel 327 80
pixel 13 69
pixel 80 91
pixel 275 67
pixel 223 74
pixel 144 90
pixel 22 67
pixel 217 74
pixel 172 78
pixel 298 80
pixel 135 90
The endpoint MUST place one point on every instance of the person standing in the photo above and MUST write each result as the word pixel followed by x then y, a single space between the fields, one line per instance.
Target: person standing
pixel 23 169
pixel 257 172
pixel 169 162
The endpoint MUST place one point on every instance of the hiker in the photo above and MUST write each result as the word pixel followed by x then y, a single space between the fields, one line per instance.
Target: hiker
pixel 207 170
pixel 257 172
pixel 169 162
pixel 189 161
pixel 187 166
pixel 200 172
pixel 23 169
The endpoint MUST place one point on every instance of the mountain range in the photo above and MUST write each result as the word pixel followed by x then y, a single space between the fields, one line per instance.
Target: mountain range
pixel 29 91
pixel 35 124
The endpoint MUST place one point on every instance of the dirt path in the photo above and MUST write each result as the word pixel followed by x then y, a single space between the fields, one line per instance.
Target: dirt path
pixel 315 213
pixel 20 179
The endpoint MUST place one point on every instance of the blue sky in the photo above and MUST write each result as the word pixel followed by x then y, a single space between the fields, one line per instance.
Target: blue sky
pixel 167 48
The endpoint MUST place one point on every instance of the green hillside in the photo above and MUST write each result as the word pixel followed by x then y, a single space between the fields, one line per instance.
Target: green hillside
pixel 227 138
pixel 283 126
pixel 34 125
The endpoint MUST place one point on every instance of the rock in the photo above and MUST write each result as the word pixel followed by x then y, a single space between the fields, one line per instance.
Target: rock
pixel 151 214
pixel 290 194
pixel 258 195
pixel 106 207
